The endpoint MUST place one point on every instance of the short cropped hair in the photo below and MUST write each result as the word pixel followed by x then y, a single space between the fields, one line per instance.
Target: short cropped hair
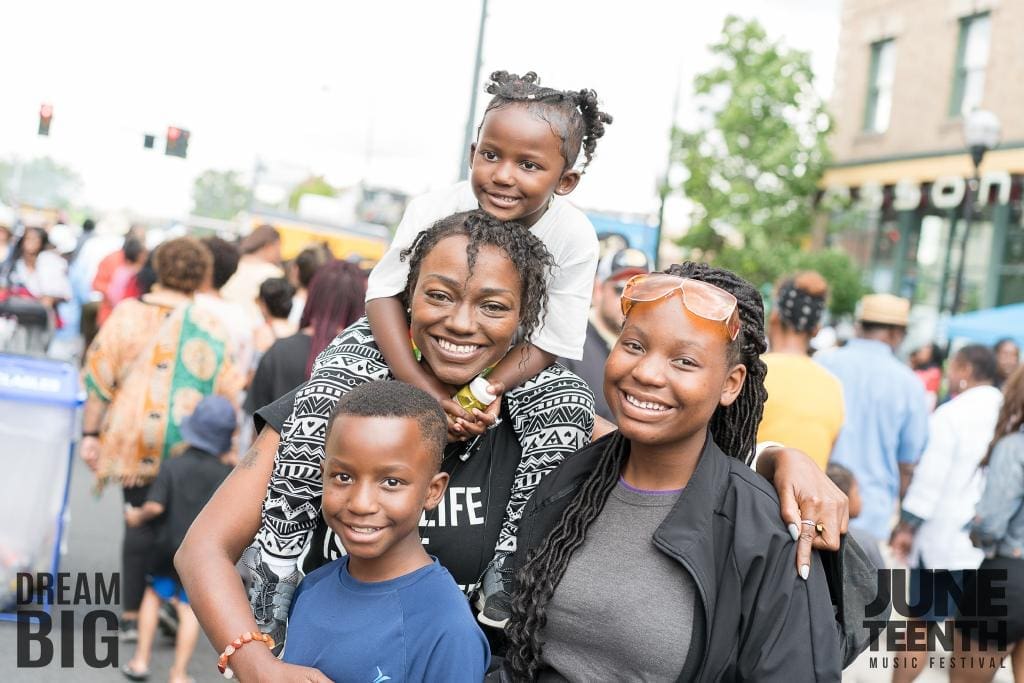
pixel 276 293
pixel 181 264
pixel 308 262
pixel 225 259
pixel 397 399
pixel 133 248
pixel 982 361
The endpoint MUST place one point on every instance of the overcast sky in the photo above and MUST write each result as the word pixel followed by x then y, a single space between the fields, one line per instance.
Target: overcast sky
pixel 375 91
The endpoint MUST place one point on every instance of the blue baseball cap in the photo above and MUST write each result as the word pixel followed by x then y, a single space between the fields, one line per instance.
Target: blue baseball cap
pixel 211 426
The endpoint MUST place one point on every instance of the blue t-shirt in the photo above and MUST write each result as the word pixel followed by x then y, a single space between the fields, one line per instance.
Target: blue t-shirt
pixel 417 627
pixel 886 426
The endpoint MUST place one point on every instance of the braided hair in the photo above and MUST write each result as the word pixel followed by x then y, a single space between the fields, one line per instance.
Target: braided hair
pixel 800 301
pixel 572 114
pixel 527 252
pixel 733 427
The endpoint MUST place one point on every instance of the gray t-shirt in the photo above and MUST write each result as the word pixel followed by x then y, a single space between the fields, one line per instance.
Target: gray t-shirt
pixel 624 610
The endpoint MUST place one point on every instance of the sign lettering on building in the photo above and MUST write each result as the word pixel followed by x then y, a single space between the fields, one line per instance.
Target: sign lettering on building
pixel 946 192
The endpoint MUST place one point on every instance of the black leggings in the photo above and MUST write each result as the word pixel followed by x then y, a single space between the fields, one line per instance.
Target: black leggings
pixel 1011 601
pixel 135 553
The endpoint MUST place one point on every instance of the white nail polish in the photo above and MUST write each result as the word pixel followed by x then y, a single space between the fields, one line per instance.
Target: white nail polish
pixel 805 571
pixel 794 531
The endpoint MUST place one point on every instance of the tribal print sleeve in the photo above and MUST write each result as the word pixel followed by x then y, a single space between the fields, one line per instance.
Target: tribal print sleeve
pixel 292 503
pixel 553 416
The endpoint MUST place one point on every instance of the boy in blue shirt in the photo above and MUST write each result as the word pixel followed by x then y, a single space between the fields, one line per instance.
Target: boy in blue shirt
pixel 387 610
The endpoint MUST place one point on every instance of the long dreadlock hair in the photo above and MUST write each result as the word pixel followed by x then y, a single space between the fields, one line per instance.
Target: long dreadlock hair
pixel 572 114
pixel 532 259
pixel 734 429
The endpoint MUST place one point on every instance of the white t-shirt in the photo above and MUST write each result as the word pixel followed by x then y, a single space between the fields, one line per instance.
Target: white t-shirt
pixel 564 230
pixel 244 285
pixel 50 277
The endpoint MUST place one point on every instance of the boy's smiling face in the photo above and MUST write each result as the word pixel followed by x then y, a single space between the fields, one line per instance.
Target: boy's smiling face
pixel 379 476
pixel 517 165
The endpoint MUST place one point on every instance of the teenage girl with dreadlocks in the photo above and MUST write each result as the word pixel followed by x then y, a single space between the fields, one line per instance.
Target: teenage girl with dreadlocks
pixel 523 163
pixel 805 401
pixel 656 553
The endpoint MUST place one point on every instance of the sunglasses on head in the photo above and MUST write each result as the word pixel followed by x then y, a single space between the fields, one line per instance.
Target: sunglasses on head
pixel 700 298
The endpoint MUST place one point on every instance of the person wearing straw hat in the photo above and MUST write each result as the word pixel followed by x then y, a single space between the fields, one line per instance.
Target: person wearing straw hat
pixel 886 427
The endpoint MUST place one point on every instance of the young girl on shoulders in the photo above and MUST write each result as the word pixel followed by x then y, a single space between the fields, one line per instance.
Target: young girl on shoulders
pixel 523 164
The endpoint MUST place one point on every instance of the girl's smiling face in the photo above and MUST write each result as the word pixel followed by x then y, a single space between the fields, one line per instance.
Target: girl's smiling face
pixel 517 165
pixel 463 322
pixel 668 373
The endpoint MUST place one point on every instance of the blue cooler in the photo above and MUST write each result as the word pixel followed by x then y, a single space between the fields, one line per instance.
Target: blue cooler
pixel 39 402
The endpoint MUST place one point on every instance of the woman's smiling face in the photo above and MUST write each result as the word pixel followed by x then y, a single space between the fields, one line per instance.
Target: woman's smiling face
pixel 463 322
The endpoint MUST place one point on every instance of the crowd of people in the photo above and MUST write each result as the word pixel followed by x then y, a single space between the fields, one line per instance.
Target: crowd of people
pixel 500 455
pixel 911 445
pixel 164 330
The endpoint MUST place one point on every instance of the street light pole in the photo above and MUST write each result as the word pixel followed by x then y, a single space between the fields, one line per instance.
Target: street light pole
pixel 663 186
pixel 468 138
pixel 981 133
pixel 974 184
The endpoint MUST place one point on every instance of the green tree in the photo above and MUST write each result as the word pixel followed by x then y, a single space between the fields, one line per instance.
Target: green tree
pixel 312 185
pixel 40 182
pixel 755 163
pixel 219 194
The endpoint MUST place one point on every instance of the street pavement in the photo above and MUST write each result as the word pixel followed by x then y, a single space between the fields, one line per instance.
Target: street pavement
pixel 93 540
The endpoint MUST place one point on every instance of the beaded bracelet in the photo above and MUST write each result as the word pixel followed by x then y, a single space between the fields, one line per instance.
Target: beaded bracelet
pixel 235 645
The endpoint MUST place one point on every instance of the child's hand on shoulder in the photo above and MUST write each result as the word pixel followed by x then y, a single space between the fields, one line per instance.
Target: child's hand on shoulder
pixel 430 384
pixel 463 425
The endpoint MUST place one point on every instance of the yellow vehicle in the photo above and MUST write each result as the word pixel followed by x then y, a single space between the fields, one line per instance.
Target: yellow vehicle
pixel 362 242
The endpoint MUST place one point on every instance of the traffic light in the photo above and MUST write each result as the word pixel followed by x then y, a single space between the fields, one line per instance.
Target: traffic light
pixel 148 141
pixel 177 142
pixel 45 116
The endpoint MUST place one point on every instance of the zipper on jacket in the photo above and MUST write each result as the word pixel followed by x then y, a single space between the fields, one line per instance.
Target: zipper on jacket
pixel 703 598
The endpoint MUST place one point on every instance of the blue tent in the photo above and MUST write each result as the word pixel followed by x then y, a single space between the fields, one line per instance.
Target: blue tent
pixel 990 325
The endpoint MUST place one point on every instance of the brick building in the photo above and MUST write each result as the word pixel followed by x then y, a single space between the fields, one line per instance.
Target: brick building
pixel 907 72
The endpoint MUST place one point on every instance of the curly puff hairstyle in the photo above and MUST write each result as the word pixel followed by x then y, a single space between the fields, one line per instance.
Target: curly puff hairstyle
pixel 734 429
pixel 572 114
pixel 181 264
pixel 529 255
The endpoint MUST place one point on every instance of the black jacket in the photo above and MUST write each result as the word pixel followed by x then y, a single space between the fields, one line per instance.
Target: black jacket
pixel 761 621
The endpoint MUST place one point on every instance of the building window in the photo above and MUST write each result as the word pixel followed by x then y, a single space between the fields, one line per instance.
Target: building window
pixel 971 59
pixel 880 77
